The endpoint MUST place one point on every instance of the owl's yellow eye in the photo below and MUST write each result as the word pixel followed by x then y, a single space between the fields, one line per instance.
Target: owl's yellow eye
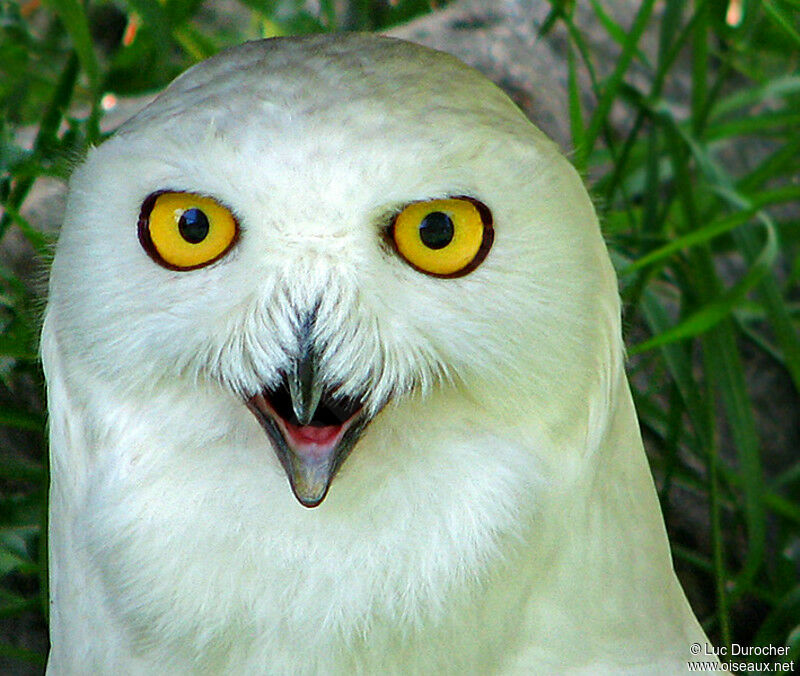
pixel 183 231
pixel 444 238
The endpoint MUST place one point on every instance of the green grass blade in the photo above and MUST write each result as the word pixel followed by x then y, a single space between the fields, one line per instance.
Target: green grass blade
pixel 617 32
pixel 726 369
pixel 772 123
pixel 73 15
pixel 37 240
pixel 715 311
pixel 775 88
pixel 779 316
pixel 779 17
pixel 705 234
pixel 22 654
pixel 157 20
pixel 46 137
pixel 699 94
pixel 678 363
pixel 575 112
pixel 774 165
pixel 723 185
pixel 20 471
pixel 612 85
pixel 19 419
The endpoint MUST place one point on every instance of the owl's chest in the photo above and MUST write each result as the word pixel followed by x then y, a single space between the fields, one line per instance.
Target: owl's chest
pixel 208 560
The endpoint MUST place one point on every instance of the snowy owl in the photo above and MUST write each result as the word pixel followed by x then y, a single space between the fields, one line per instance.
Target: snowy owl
pixel 335 376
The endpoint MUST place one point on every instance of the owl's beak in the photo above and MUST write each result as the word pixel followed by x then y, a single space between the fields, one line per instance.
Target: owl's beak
pixel 305 386
pixel 312 431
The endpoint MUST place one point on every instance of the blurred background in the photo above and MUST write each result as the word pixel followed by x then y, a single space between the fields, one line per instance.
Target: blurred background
pixel 682 116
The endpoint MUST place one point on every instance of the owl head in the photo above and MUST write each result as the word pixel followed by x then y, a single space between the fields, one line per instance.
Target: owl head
pixel 301 237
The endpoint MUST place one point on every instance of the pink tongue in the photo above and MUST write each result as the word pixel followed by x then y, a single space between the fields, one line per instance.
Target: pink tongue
pixel 307 434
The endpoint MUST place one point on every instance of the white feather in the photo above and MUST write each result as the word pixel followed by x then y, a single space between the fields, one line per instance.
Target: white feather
pixel 498 514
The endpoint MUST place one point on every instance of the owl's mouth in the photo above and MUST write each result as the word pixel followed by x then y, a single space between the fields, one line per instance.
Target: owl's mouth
pixel 312 431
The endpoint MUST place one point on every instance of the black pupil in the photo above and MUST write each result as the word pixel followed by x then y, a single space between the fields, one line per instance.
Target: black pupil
pixel 193 225
pixel 436 230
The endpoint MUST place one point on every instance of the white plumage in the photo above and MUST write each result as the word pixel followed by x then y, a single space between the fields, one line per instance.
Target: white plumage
pixel 495 515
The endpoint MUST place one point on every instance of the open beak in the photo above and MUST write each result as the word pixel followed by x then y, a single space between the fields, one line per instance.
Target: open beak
pixel 311 429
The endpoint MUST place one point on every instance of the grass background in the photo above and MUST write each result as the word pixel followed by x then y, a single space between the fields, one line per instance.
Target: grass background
pixel 699 197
